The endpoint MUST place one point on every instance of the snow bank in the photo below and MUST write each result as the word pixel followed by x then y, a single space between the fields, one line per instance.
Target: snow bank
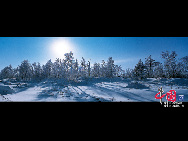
pixel 136 85
pixel 6 90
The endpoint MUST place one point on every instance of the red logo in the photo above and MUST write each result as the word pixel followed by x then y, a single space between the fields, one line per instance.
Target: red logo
pixel 170 96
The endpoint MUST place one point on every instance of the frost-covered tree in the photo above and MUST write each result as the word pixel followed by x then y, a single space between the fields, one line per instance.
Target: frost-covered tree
pixel 182 67
pixel 158 70
pixel 129 73
pixel 103 69
pixel 69 60
pixel 75 71
pixel 170 63
pixel 57 69
pixel 96 70
pixel 37 71
pixel 110 68
pixel 7 72
pixel 25 71
pixel 117 71
pixel 47 69
pixel 149 64
pixel 16 73
pixel 89 68
pixel 69 66
pixel 123 74
pixel 63 69
pixel 83 68
pixel 68 69
pixel 139 70
pixel 180 70
pixel 76 65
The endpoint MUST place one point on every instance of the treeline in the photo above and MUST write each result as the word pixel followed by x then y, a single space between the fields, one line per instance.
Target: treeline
pixel 171 68
pixel 71 70
pixel 67 69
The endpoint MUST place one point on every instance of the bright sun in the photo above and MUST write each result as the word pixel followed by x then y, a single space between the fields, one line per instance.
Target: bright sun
pixel 60 47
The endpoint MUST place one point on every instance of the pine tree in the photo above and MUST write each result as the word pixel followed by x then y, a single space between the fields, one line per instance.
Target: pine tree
pixel 139 70
pixel 110 67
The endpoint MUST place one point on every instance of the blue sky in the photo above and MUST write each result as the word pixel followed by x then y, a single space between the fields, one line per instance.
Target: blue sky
pixel 126 51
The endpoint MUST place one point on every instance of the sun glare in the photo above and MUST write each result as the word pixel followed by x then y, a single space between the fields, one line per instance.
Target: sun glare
pixel 60 47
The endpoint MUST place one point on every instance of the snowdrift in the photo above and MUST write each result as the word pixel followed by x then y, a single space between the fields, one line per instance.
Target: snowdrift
pixel 6 90
pixel 136 85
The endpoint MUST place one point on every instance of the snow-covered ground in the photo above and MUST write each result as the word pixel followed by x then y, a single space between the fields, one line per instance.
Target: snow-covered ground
pixel 103 90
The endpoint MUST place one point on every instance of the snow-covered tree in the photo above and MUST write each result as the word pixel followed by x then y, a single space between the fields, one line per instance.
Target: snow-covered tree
pixel 37 71
pixel 149 64
pixel 118 71
pixel 170 63
pixel 158 70
pixel 63 69
pixel 96 70
pixel 129 73
pixel 69 60
pixel 7 72
pixel 16 73
pixel 76 65
pixel 110 68
pixel 103 69
pixel 75 72
pixel 182 67
pixel 69 63
pixel 47 69
pixel 83 68
pixel 56 69
pixel 139 70
pixel 68 69
pixel 25 71
pixel 89 68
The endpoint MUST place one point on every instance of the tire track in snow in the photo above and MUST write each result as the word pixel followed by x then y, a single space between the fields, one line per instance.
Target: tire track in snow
pixel 91 94
pixel 76 95
pixel 84 93
pixel 122 93
pixel 113 94
pixel 93 91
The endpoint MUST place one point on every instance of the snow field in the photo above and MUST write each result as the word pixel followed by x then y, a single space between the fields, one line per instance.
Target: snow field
pixel 125 91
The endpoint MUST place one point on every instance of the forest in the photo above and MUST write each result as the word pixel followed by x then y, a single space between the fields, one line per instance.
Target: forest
pixel 66 69
pixel 70 69
pixel 170 68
